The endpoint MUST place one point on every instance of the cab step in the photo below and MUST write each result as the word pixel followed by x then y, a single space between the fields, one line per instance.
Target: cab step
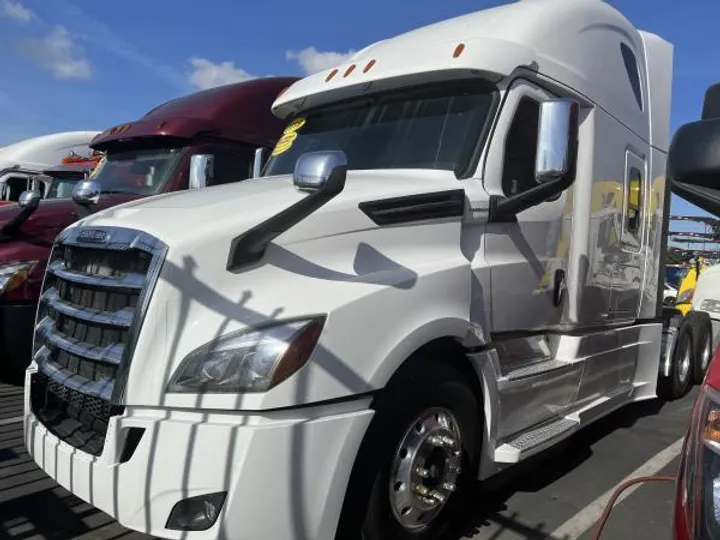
pixel 535 440
pixel 541 437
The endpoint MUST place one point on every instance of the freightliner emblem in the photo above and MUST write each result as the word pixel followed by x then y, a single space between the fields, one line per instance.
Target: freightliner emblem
pixel 92 235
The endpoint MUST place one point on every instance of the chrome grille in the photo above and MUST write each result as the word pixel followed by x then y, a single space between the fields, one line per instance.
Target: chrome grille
pixel 91 308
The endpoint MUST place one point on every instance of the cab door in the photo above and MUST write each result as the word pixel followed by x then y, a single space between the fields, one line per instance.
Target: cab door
pixel 627 283
pixel 527 256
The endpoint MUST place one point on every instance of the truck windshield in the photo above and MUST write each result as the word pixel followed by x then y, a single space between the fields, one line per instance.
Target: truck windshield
pixel 61 188
pixel 139 172
pixel 430 128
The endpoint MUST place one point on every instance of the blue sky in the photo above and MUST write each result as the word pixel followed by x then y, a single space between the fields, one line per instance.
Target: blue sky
pixel 89 64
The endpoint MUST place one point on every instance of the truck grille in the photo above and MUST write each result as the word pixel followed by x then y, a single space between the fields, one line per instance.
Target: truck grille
pixel 96 290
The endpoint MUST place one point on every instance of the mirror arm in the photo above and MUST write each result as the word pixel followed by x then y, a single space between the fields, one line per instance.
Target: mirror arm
pixel 11 227
pixel 249 247
pixel 82 210
pixel 504 209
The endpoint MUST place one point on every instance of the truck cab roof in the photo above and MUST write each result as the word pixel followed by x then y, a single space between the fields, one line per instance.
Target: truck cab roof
pixel 45 151
pixel 492 43
pixel 239 111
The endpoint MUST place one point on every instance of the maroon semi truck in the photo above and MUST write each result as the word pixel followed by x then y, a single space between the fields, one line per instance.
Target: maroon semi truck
pixel 211 137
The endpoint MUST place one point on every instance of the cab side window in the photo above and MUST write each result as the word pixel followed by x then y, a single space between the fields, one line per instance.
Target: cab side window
pixel 14 187
pixel 633 207
pixel 230 166
pixel 521 148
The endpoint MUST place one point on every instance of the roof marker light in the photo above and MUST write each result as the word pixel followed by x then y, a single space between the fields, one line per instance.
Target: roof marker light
pixel 369 66
pixel 458 50
pixel 331 74
pixel 349 70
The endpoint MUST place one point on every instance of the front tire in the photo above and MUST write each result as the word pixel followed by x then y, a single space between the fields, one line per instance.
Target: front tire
pixel 418 462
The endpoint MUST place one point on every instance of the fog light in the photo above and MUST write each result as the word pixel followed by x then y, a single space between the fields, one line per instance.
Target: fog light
pixel 196 513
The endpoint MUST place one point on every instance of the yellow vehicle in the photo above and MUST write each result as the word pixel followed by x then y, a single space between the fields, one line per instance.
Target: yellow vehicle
pixel 687 286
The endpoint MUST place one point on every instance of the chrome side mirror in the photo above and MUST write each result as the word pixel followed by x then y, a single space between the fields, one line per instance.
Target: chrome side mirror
pixel 557 138
pixel 322 174
pixel 30 200
pixel 86 193
pixel 259 161
pixel 321 171
pixel 201 170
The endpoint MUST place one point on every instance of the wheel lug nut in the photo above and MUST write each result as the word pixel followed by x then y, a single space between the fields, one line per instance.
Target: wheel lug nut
pixel 429 501
pixel 436 440
pixel 422 490
pixel 449 486
pixel 448 442
pixel 439 497
pixel 422 473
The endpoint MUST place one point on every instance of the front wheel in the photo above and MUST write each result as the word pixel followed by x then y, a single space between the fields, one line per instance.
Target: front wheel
pixel 418 461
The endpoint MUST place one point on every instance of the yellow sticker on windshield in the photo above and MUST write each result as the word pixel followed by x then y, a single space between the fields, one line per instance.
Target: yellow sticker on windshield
pixel 289 136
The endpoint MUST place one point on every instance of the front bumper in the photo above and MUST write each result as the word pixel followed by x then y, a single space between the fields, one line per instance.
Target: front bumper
pixel 17 322
pixel 285 474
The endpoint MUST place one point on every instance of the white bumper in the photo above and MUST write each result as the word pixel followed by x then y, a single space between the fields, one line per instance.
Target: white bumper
pixel 285 477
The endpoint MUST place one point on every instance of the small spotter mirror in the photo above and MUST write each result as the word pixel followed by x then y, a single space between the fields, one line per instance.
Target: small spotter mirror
pixel 201 170
pixel 557 139
pixel 321 171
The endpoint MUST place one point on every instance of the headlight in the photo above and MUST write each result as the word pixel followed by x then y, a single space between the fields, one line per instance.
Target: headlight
pixel 685 297
pixel 251 360
pixel 14 274
pixel 700 489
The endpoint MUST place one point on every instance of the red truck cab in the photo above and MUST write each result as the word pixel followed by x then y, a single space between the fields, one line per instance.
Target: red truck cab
pixel 210 137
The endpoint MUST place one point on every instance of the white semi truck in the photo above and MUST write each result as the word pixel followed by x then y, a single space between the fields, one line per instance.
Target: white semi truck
pixel 407 300
pixel 24 161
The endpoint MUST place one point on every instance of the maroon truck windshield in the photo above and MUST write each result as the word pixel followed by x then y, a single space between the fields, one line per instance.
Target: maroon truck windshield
pixel 138 172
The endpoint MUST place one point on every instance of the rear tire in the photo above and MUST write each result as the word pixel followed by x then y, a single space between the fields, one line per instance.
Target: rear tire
pixel 680 379
pixel 405 483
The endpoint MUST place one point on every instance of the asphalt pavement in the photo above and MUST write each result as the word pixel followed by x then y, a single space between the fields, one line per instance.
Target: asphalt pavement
pixel 558 495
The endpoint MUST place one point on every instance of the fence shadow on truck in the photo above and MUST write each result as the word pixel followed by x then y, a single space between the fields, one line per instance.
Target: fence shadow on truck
pixel 237 310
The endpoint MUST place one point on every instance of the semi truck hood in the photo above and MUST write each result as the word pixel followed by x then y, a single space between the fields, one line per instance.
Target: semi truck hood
pixel 220 213
pixel 334 258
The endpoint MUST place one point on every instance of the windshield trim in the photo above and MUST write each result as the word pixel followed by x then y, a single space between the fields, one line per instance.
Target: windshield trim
pixel 468 159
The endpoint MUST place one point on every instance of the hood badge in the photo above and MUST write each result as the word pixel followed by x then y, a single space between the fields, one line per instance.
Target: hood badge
pixel 95 236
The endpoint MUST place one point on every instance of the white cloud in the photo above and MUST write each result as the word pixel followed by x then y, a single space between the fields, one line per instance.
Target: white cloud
pixel 89 29
pixel 311 60
pixel 207 74
pixel 59 54
pixel 15 10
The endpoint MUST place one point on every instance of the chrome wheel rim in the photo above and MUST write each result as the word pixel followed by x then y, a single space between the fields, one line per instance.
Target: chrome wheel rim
pixel 425 468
